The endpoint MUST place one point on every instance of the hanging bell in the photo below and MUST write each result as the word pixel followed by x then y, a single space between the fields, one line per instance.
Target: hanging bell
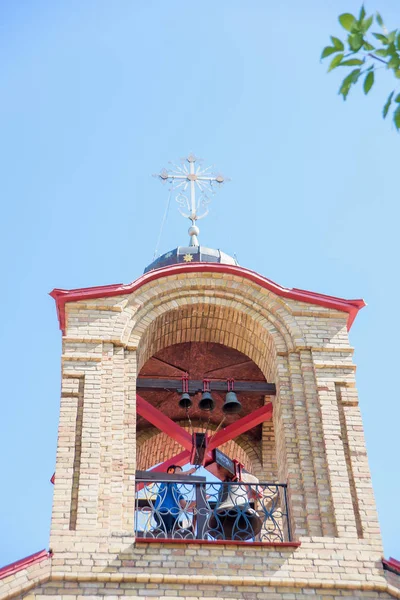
pixel 206 403
pixel 231 405
pixel 185 402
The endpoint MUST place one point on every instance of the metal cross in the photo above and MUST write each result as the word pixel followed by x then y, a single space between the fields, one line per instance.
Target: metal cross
pixel 186 179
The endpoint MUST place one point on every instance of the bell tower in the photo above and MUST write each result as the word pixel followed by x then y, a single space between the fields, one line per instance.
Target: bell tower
pixel 210 438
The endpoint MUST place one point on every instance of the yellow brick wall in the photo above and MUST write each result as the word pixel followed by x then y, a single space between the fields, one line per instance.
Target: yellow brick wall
pixel 315 444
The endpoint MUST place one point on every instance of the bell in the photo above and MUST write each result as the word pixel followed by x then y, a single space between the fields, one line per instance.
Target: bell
pixel 185 402
pixel 234 518
pixel 206 402
pixel 233 524
pixel 231 405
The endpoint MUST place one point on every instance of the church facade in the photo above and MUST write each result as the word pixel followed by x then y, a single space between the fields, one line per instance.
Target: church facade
pixel 300 434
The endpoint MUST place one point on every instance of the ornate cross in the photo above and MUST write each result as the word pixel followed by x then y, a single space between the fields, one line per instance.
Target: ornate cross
pixel 186 179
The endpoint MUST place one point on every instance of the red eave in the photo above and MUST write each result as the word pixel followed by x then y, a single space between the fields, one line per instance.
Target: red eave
pixel 19 565
pixel 392 565
pixel 62 296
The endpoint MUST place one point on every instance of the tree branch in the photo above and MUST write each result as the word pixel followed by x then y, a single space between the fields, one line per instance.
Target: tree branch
pixel 377 58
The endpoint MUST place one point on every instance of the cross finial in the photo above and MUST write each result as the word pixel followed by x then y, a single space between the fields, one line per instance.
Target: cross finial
pixel 194 186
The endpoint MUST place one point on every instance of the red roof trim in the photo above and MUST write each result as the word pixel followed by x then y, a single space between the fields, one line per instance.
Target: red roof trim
pixel 62 296
pixel 392 565
pixel 19 565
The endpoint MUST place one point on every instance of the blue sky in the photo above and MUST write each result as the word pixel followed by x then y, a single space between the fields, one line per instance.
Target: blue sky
pixel 95 96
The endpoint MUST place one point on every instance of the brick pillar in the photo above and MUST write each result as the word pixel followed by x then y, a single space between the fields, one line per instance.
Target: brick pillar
pixel 357 463
pixel 106 435
pixel 118 438
pixel 66 472
pixel 75 500
pixel 317 445
pixel 269 464
pixel 89 473
pixel 335 456
pixel 128 494
pixel 287 448
pixel 303 433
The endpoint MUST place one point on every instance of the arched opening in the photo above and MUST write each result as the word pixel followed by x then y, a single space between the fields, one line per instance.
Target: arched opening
pixel 204 342
pixel 201 361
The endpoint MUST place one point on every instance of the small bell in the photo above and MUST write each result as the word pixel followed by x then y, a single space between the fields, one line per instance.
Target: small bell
pixel 206 403
pixel 185 402
pixel 231 405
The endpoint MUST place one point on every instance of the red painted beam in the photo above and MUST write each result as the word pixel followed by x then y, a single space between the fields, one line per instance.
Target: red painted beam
pixel 238 427
pixel 163 423
pixel 179 459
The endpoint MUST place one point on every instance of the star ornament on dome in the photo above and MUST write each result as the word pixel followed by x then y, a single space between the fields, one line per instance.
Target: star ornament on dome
pixel 194 186
pixel 188 257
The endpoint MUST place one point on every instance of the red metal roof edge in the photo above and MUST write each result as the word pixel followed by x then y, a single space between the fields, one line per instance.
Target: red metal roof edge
pixel 23 563
pixel 392 565
pixel 62 296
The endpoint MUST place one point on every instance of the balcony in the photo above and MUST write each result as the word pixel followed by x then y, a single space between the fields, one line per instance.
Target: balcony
pixel 181 507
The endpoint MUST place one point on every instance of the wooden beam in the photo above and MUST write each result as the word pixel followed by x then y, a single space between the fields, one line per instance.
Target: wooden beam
pixel 196 385
pixel 238 427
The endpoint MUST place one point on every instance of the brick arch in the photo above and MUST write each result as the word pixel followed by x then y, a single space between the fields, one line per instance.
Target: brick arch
pixel 273 313
pixel 154 447
pixel 209 323
pixel 165 302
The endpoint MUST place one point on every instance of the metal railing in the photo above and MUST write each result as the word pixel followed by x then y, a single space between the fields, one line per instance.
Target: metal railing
pixel 190 508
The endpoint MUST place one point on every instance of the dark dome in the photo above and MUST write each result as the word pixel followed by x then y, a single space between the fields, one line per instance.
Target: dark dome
pixel 191 254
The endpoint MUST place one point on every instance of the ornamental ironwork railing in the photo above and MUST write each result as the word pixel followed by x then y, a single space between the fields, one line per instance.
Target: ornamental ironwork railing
pixel 190 508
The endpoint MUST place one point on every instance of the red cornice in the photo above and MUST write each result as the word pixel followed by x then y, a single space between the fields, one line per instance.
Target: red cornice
pixel 392 565
pixel 62 296
pixel 19 565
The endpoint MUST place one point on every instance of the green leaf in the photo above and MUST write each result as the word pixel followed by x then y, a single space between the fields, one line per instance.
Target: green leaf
pixel 369 82
pixel 337 43
pixel 346 20
pixel 365 25
pixel 391 49
pixel 396 118
pixel 368 47
pixel 397 73
pixel 362 13
pixel 335 61
pixel 355 41
pixel 398 41
pixel 387 105
pixel 379 19
pixel 397 99
pixel 345 88
pixel 392 36
pixel 394 63
pixel 327 51
pixel 348 81
pixel 381 52
pixel 352 62
pixel 381 38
